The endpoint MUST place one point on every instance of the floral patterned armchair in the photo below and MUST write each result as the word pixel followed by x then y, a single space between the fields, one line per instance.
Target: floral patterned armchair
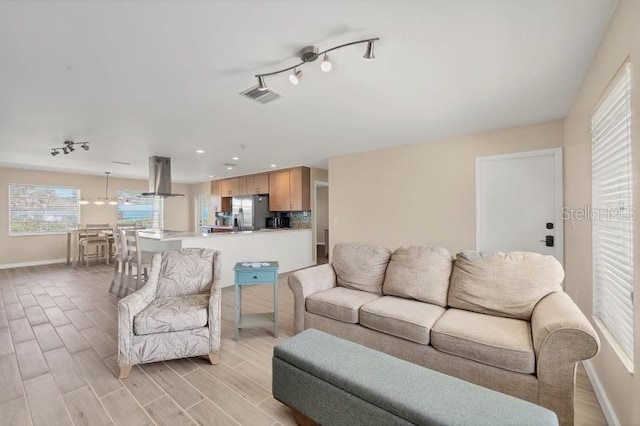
pixel 176 314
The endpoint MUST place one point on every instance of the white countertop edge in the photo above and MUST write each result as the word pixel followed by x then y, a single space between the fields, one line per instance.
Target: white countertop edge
pixel 193 235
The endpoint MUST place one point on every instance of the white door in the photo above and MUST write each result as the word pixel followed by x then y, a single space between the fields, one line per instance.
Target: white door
pixel 519 202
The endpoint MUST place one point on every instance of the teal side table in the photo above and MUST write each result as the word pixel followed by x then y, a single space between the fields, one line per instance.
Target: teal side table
pixel 249 273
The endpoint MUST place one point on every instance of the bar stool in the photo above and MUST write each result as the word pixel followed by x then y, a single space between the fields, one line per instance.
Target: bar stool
pixel 120 262
pixel 93 239
pixel 136 258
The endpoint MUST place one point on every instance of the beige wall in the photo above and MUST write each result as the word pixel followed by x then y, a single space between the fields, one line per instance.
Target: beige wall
pixel 422 193
pixel 178 212
pixel 322 212
pixel 621 40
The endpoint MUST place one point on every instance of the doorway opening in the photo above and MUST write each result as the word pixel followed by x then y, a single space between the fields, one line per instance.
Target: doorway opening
pixel 321 223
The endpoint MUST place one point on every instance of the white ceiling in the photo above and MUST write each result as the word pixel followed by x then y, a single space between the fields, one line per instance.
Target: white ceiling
pixel 141 78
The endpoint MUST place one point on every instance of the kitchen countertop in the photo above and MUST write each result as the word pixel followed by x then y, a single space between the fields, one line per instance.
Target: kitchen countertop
pixel 179 235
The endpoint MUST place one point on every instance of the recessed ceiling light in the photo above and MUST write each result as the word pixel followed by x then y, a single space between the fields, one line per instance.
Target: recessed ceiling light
pixel 229 167
pixel 211 176
pixel 274 165
pixel 199 151
pixel 235 158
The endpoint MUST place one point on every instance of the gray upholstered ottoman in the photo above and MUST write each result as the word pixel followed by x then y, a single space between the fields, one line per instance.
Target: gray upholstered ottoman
pixel 335 382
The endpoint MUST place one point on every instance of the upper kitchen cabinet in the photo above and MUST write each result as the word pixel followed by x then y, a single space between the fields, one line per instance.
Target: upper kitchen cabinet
pixel 258 184
pixel 289 190
pixel 215 196
pixel 233 187
pixel 299 188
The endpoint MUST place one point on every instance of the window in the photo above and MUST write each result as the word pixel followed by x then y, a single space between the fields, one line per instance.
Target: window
pixel 141 211
pixel 613 214
pixel 42 209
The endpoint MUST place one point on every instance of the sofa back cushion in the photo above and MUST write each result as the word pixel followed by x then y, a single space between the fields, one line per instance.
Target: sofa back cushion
pixel 360 266
pixel 419 272
pixel 503 284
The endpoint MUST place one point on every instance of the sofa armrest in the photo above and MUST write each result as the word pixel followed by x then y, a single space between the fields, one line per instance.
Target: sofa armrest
pixel 306 282
pixel 131 306
pixel 562 336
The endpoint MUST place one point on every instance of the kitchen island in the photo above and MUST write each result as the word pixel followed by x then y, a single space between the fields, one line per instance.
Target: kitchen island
pixel 292 248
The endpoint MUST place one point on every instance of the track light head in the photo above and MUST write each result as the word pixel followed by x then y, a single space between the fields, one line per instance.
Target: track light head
pixel 85 146
pixel 54 152
pixel 368 55
pixel 295 77
pixel 65 150
pixel 70 148
pixel 261 84
pixel 326 64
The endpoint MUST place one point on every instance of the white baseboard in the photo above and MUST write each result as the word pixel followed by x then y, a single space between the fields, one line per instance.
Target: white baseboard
pixel 36 263
pixel 605 404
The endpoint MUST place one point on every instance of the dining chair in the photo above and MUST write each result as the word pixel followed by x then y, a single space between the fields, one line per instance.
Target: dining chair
pixel 120 263
pixel 136 258
pixel 93 238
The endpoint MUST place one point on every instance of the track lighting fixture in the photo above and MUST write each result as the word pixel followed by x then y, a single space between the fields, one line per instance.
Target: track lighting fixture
pixel 326 64
pixel 295 77
pixel 310 54
pixel 368 55
pixel 67 147
pixel 261 85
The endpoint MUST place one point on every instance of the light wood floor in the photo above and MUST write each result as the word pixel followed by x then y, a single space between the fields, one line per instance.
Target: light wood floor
pixel 58 365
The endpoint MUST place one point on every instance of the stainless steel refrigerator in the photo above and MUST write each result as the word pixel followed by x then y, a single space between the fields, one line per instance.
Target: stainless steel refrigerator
pixel 250 212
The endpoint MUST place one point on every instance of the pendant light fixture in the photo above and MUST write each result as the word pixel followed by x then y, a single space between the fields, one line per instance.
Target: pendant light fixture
pixel 310 54
pixel 102 201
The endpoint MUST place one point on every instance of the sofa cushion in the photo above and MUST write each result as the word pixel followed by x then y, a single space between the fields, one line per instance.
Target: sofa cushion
pixel 360 266
pixel 419 272
pixel 173 314
pixel 504 284
pixel 339 303
pixel 405 318
pixel 497 341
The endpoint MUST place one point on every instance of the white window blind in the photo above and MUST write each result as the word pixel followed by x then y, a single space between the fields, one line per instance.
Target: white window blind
pixel 613 214
pixel 42 209
pixel 140 211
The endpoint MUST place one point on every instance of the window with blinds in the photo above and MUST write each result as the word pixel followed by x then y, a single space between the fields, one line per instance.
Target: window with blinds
pixel 140 211
pixel 613 214
pixel 42 209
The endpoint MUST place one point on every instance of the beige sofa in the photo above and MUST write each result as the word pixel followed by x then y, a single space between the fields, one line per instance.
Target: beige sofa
pixel 500 320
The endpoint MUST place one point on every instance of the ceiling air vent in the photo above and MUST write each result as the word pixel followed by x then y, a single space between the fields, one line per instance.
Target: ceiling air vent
pixel 261 96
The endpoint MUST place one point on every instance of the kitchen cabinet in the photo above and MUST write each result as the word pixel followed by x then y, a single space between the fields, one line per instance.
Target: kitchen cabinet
pixel 216 199
pixel 257 184
pixel 289 189
pixel 233 186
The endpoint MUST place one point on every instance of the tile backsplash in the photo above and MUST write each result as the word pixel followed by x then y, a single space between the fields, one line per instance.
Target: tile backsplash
pixel 300 220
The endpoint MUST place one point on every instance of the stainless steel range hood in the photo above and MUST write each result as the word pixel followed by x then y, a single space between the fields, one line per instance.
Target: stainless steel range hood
pixel 160 177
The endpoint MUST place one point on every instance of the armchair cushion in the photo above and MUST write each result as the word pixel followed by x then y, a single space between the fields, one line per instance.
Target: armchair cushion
pixel 185 272
pixel 172 314
pixel 497 341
